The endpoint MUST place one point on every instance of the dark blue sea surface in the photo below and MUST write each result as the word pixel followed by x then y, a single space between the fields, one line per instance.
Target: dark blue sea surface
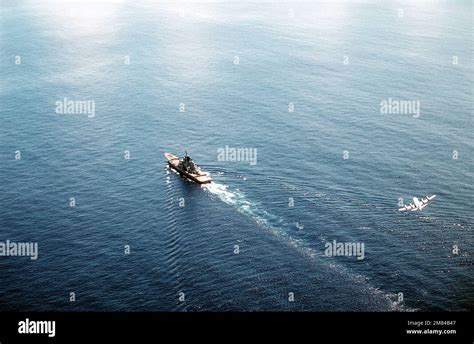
pixel 236 68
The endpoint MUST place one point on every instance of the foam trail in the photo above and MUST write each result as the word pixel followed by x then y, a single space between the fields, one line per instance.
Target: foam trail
pixel 242 204
pixel 220 190
pixel 280 228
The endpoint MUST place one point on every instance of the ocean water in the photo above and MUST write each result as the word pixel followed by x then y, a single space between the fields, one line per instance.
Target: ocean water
pixel 236 67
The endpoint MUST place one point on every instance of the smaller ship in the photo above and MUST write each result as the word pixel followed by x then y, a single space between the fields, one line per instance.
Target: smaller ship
pixel 417 204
